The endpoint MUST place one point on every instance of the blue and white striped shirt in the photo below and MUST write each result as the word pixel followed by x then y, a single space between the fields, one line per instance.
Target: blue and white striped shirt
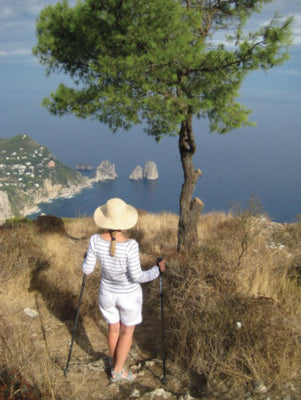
pixel 121 273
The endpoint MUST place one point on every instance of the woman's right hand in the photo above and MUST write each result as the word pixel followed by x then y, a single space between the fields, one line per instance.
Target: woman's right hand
pixel 161 265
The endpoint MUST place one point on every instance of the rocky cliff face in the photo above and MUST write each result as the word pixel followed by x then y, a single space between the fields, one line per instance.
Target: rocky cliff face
pixel 137 173
pixel 5 208
pixel 149 172
pixel 30 175
pixel 105 171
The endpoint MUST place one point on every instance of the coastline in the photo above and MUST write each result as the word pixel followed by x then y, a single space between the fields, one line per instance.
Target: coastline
pixel 64 193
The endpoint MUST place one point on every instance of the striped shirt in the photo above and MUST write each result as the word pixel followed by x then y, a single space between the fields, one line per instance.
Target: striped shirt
pixel 121 273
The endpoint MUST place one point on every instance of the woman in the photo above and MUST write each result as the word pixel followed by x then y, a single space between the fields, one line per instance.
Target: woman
pixel 120 295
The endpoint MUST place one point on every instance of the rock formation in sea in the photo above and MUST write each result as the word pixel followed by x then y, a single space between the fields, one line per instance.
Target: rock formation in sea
pixel 84 167
pixel 104 171
pixel 150 171
pixel 137 173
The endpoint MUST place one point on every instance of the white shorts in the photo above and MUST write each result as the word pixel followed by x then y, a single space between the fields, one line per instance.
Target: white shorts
pixel 126 308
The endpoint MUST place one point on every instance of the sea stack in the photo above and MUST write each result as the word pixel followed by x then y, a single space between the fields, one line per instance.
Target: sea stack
pixel 150 171
pixel 137 173
pixel 105 171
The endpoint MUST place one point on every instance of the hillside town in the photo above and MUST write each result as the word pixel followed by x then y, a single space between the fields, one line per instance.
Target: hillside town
pixel 22 168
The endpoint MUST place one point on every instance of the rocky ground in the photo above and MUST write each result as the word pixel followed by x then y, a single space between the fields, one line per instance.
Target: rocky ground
pixel 88 373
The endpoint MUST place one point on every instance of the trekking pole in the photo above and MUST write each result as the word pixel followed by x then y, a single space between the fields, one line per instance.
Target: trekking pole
pixel 66 370
pixel 164 379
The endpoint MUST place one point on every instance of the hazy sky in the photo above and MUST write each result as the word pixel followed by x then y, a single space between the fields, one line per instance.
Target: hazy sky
pixel 24 84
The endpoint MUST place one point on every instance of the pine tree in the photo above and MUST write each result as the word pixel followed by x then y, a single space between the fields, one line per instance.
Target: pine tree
pixel 161 63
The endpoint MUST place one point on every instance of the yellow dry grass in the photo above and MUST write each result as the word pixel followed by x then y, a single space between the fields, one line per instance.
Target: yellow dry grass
pixel 244 269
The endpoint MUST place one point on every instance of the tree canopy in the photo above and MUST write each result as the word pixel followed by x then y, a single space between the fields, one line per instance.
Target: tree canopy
pixel 159 63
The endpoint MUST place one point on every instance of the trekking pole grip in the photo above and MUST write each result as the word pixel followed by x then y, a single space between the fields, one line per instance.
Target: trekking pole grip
pixel 157 263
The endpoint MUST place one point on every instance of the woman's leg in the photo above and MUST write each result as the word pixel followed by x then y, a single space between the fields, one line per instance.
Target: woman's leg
pixel 123 346
pixel 113 337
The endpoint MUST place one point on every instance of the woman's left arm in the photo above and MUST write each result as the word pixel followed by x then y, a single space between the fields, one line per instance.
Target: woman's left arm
pixel 90 259
pixel 134 267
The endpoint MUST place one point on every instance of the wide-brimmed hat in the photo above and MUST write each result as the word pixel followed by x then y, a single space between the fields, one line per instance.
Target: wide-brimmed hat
pixel 116 214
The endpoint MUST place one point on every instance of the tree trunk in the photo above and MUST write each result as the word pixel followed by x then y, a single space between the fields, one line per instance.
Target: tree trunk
pixel 190 209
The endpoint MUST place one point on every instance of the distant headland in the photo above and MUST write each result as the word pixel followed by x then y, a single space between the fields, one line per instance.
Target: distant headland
pixel 30 174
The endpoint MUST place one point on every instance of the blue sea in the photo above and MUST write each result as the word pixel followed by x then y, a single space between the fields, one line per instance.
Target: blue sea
pixel 262 161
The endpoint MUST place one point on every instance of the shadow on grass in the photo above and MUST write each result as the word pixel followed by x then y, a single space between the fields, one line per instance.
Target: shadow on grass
pixel 62 304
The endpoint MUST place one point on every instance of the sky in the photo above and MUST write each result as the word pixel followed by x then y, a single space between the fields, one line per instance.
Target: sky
pixel 24 83
pixel 273 97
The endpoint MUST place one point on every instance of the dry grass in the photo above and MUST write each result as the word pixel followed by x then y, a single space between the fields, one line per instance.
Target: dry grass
pixel 245 270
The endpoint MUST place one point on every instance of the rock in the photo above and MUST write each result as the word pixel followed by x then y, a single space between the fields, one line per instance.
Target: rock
pixel 135 394
pixel 31 312
pixel 105 171
pixel 186 397
pixel 5 207
pixel 98 365
pixel 150 363
pixel 150 171
pixel 238 325
pixel 259 387
pixel 50 223
pixel 289 386
pixel 158 394
pixel 84 167
pixel 137 173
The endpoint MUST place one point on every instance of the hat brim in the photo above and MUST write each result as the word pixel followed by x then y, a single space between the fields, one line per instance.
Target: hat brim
pixel 128 220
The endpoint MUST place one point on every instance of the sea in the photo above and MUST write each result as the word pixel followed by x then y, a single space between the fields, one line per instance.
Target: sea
pixel 261 162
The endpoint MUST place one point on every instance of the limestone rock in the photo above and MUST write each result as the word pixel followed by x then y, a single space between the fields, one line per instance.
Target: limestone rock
pixel 150 171
pixel 259 387
pixel 105 171
pixel 137 173
pixel 31 312
pixel 84 167
pixel 5 207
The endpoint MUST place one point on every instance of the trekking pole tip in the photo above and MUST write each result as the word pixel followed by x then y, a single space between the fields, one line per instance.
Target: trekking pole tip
pixel 164 380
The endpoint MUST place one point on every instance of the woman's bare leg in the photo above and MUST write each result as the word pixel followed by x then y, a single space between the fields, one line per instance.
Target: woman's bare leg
pixel 113 337
pixel 123 346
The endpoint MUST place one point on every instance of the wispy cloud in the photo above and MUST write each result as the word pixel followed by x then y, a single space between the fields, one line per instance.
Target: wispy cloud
pixel 291 72
pixel 17 52
pixel 17 29
pixel 297 29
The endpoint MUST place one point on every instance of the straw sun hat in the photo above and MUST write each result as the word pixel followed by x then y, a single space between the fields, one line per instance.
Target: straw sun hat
pixel 116 214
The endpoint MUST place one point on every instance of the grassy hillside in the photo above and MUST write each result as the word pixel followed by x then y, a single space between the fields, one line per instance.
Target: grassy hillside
pixel 232 312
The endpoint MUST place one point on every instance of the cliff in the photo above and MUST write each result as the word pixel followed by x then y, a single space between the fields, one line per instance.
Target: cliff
pixel 30 174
